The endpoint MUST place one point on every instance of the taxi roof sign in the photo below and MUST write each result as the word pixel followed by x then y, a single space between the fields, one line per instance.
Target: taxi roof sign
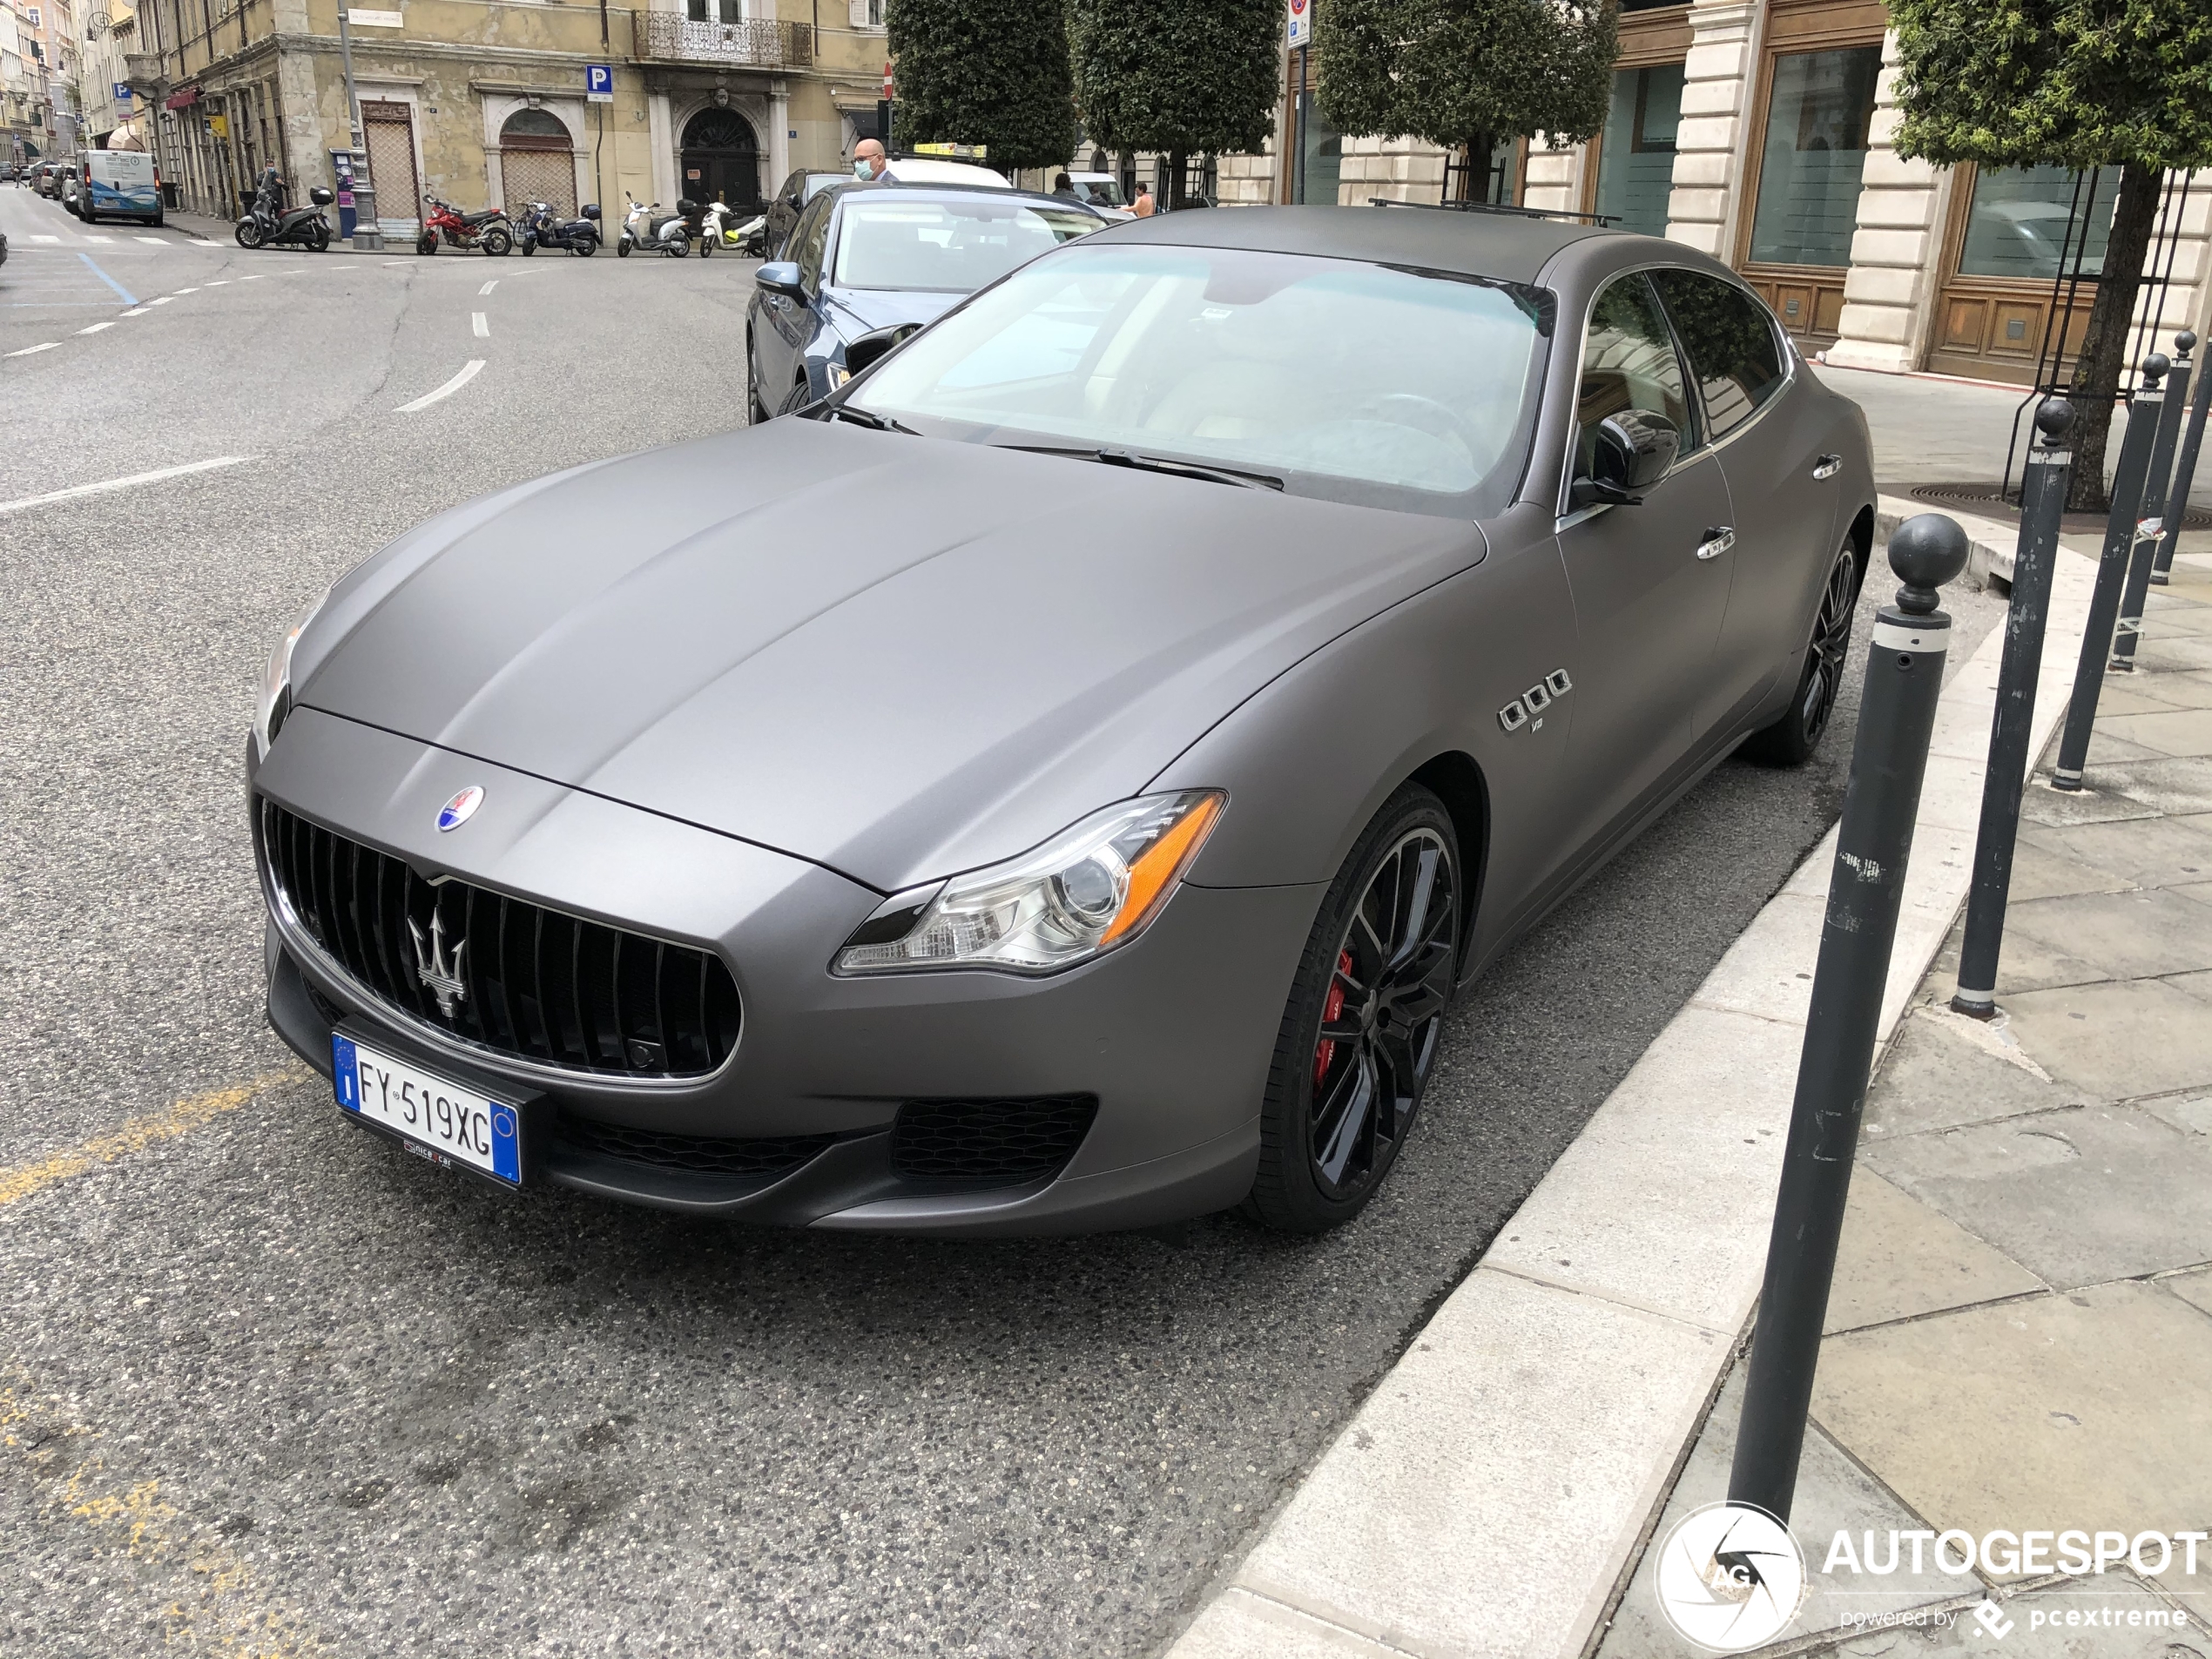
pixel 955 151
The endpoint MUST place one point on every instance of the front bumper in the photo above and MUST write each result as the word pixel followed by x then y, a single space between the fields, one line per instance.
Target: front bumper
pixel 1172 1035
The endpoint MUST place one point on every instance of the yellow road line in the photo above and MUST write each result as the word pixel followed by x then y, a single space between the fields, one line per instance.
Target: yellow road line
pixel 206 1592
pixel 137 1135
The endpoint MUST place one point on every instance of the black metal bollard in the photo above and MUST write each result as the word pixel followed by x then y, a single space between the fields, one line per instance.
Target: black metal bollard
pixel 2042 502
pixel 2111 572
pixel 1904 679
pixel 2177 499
pixel 2151 532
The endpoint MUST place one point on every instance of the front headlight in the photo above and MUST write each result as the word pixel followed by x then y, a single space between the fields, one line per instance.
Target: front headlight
pixel 1094 888
pixel 275 702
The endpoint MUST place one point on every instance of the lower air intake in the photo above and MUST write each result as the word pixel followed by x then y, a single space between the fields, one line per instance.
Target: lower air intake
pixel 699 1154
pixel 969 1145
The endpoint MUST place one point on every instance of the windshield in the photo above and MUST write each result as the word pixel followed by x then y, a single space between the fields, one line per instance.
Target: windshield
pixel 1100 192
pixel 946 247
pixel 1354 381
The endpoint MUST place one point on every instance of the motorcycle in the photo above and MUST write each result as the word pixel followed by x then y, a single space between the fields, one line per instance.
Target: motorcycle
pixel 267 224
pixel 487 230
pixel 720 229
pixel 670 235
pixel 542 227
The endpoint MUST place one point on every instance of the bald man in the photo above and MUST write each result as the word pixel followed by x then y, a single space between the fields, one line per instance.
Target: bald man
pixel 867 159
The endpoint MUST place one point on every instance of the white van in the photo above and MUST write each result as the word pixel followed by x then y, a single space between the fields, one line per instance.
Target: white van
pixel 119 184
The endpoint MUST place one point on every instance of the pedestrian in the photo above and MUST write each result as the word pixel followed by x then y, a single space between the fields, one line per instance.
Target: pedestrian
pixel 1143 205
pixel 1064 185
pixel 867 159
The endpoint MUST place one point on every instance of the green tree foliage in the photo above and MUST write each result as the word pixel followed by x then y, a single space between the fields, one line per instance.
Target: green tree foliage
pixel 2076 84
pixel 1464 72
pixel 1185 77
pixel 984 71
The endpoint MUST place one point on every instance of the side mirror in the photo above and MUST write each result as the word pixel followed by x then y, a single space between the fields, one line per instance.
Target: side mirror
pixel 781 276
pixel 1633 451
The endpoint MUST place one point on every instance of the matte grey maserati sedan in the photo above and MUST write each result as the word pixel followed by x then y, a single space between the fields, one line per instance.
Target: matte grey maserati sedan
pixel 1061 779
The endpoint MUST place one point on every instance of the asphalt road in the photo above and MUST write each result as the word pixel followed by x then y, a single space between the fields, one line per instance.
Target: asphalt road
pixel 268 1386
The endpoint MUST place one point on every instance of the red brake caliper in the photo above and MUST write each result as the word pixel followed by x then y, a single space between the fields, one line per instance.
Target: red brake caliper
pixel 1331 1011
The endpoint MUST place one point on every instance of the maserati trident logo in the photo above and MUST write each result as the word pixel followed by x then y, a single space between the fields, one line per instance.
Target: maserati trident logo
pixel 461 808
pixel 440 976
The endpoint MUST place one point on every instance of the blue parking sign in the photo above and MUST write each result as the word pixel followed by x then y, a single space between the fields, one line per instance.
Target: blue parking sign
pixel 599 82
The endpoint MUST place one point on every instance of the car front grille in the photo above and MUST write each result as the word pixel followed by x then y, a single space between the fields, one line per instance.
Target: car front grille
pixel 701 1154
pixel 501 973
pixel 968 1145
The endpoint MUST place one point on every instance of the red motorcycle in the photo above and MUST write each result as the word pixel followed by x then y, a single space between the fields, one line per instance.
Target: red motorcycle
pixel 487 230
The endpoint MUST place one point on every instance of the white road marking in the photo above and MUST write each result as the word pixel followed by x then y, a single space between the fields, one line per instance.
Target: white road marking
pixel 185 291
pixel 488 287
pixel 480 325
pixel 219 282
pixel 469 372
pixel 96 326
pixel 163 300
pixel 256 277
pixel 131 482
pixel 135 311
pixel 46 238
pixel 159 241
pixel 27 350
pixel 97 238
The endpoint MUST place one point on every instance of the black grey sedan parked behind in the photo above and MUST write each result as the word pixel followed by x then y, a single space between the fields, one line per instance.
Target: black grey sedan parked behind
pixel 867 264
pixel 1064 778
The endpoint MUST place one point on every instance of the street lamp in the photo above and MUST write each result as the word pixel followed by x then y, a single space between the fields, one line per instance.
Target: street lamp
pixel 366 238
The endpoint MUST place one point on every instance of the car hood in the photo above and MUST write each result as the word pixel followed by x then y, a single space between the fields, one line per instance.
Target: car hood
pixel 862 311
pixel 897 657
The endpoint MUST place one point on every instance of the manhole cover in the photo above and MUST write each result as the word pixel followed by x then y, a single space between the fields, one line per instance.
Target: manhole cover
pixel 1986 499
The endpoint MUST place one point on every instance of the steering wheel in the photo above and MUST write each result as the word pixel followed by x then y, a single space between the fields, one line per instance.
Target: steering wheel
pixel 1423 414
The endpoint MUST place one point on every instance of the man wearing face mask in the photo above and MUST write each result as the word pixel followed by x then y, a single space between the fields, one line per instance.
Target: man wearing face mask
pixel 867 159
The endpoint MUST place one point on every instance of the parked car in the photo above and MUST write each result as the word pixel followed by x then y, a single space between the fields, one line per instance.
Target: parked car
pixel 1062 780
pixel 119 184
pixel 869 263
pixel 70 187
pixel 783 211
pixel 45 178
pixel 929 169
pixel 1103 191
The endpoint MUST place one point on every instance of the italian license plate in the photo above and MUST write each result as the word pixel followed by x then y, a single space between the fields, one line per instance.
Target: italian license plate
pixel 445 1122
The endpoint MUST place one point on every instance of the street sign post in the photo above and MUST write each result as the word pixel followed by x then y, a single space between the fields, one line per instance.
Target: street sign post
pixel 1300 30
pixel 599 82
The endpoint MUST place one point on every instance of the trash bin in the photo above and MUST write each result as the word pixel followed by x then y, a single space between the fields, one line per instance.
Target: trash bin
pixel 172 198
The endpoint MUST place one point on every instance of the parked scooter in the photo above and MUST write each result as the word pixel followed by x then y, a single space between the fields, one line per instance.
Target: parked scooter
pixel 489 230
pixel 721 229
pixel 647 227
pixel 268 223
pixel 542 227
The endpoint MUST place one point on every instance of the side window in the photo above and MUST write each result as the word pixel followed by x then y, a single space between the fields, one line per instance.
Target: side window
pixel 1731 340
pixel 1629 362
pixel 808 239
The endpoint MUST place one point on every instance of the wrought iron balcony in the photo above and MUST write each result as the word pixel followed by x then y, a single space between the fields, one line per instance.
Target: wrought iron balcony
pixel 664 36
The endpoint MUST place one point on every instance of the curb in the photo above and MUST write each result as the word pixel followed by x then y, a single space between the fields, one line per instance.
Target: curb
pixel 1489 1496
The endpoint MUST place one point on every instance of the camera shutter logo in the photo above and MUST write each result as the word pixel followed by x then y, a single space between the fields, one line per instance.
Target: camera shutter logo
pixel 1730 1578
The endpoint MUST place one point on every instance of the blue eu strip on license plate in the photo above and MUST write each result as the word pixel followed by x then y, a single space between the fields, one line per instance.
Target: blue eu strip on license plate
pixel 444 1120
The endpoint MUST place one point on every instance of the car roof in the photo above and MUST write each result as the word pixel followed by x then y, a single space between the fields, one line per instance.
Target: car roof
pixel 928 169
pixel 932 192
pixel 1508 247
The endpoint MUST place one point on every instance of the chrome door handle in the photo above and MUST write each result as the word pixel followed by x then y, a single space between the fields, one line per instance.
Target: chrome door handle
pixel 1718 540
pixel 1827 466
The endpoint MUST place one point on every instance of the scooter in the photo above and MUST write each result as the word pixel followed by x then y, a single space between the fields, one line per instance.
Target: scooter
pixel 265 225
pixel 722 230
pixel 487 230
pixel 669 234
pixel 542 227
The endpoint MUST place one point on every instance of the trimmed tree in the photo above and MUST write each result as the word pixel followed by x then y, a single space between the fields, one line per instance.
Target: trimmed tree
pixel 1184 77
pixel 2075 83
pixel 993 72
pixel 1467 73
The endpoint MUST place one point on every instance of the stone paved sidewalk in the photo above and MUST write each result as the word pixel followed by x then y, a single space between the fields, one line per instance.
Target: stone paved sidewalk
pixel 2020 1332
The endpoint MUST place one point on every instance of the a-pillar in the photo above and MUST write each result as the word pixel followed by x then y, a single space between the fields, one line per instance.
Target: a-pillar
pixel 1712 144
pixel 1897 252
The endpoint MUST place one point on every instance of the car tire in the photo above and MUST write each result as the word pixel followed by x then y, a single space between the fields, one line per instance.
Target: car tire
pixel 1791 741
pixel 756 413
pixel 1359 1039
pixel 797 398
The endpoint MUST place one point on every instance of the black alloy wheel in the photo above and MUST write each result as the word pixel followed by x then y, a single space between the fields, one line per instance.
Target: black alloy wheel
pixel 756 413
pixel 1791 739
pixel 1359 1037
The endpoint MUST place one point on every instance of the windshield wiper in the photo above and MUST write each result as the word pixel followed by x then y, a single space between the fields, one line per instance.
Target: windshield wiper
pixel 1154 464
pixel 870 419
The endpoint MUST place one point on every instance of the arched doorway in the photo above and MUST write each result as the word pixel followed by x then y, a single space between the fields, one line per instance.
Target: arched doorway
pixel 537 162
pixel 721 159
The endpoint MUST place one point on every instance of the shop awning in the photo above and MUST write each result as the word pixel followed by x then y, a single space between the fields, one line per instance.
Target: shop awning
pixel 184 100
